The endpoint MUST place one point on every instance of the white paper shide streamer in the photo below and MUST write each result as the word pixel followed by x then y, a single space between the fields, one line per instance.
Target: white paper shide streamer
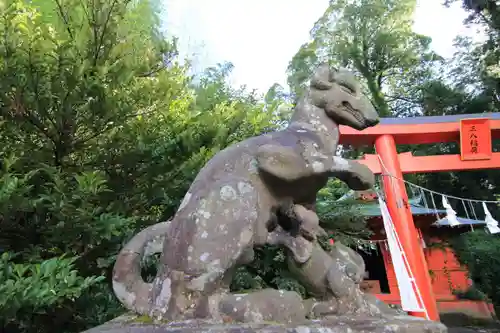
pixel 451 215
pixel 411 299
pixel 491 223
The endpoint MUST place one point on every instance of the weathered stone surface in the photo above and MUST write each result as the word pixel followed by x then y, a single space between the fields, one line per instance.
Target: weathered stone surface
pixel 263 305
pixel 401 324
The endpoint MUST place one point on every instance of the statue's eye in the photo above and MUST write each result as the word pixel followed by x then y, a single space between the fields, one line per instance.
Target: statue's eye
pixel 347 87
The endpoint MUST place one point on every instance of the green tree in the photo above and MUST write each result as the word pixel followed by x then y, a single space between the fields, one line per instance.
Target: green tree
pixel 481 58
pixel 374 38
pixel 467 86
pixel 103 132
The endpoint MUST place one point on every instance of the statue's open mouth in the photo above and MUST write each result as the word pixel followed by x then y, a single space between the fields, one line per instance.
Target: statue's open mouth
pixel 346 106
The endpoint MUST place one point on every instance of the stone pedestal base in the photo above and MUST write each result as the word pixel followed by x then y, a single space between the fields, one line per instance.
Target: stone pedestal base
pixel 342 324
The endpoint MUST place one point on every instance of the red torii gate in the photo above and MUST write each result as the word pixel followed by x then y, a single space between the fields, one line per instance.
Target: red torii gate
pixel 474 132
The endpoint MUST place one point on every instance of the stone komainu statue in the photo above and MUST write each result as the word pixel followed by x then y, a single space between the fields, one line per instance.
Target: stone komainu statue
pixel 231 207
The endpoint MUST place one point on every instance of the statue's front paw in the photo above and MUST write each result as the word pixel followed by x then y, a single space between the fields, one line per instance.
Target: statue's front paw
pixel 319 309
pixel 364 180
pixel 263 305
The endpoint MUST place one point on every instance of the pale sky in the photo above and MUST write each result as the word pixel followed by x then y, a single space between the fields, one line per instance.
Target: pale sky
pixel 261 36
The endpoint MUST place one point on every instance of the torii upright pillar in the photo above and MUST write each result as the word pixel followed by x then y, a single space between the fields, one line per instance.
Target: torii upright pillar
pixel 475 133
pixel 397 204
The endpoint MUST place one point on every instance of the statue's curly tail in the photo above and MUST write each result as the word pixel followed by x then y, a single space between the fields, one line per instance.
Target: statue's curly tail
pixel 129 287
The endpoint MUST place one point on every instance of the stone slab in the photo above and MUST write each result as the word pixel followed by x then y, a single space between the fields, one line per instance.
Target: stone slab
pixel 337 324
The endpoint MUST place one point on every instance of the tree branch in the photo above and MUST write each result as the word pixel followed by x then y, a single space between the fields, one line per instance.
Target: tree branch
pixel 106 128
pixel 401 98
pixel 156 70
pixel 65 20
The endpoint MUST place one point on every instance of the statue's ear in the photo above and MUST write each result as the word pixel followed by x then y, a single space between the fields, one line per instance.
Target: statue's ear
pixel 322 77
pixel 347 78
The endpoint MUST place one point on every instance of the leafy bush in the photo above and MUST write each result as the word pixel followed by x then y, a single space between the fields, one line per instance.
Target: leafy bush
pixel 36 286
pixel 480 252
pixel 472 294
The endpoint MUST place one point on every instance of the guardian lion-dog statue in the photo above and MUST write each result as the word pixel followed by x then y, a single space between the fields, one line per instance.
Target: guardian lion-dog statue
pixel 229 209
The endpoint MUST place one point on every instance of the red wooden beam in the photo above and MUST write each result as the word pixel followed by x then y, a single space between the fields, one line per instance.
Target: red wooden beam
pixel 418 130
pixel 437 163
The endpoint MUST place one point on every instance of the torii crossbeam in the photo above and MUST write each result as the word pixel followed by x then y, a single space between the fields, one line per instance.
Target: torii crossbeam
pixel 474 132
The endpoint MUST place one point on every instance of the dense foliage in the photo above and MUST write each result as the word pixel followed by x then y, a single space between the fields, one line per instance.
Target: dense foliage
pixel 103 130
pixel 102 133
pixel 481 253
